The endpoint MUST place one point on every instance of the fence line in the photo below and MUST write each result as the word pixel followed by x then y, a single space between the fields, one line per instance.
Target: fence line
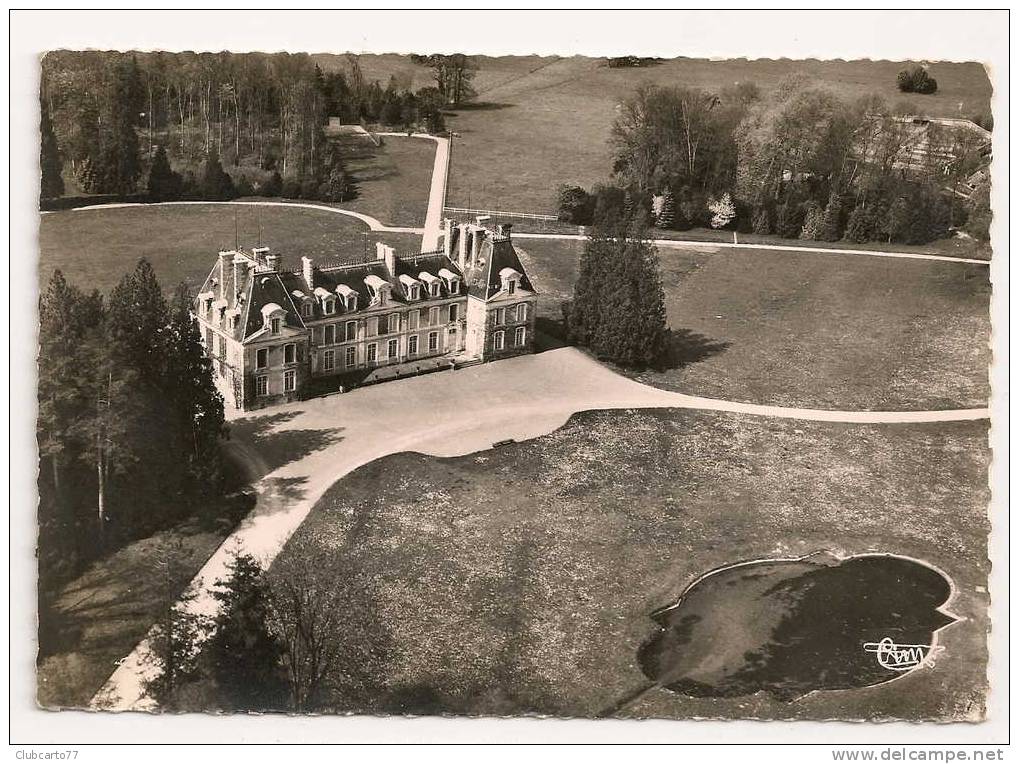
pixel 501 213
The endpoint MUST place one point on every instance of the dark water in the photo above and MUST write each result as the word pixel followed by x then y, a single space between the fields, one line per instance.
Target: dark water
pixel 793 626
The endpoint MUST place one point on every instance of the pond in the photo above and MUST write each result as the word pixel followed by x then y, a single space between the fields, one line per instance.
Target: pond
pixel 790 627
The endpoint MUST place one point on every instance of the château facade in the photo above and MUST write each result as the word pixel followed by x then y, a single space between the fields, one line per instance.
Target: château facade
pixel 278 335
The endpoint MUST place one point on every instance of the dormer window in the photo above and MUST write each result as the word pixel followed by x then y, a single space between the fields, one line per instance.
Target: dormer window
pixel 431 281
pixel 510 278
pixel 351 303
pixel 378 288
pixel 272 316
pixel 306 309
pixel 451 279
pixel 415 292
pixel 329 306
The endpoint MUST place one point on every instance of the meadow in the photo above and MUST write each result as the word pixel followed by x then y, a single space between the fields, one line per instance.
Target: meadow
pixel 538 122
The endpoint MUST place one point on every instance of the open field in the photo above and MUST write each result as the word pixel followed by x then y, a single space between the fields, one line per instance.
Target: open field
pixel 521 579
pixel 392 181
pixel 543 121
pixel 781 328
pixel 95 248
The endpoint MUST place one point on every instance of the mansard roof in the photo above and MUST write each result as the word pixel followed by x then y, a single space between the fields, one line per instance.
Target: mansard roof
pixel 495 255
pixel 267 288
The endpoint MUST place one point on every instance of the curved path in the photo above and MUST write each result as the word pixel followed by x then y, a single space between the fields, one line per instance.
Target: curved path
pixel 448 413
pixel 373 223
pixel 709 245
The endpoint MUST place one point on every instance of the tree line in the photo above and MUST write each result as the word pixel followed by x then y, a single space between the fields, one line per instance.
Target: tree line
pixel 106 115
pixel 304 636
pixel 130 422
pixel 798 162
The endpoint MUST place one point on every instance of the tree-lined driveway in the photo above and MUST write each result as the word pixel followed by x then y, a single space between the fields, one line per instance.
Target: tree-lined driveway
pixel 301 449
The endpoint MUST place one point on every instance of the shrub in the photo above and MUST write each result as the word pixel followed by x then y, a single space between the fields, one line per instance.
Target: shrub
pixel 216 184
pixel 291 189
pixel 609 204
pixel 309 188
pixel 762 221
pixel 830 228
pixel 243 187
pixel 574 205
pixel 860 227
pixel 916 80
pixel 271 187
pixel 812 220
pixel 723 211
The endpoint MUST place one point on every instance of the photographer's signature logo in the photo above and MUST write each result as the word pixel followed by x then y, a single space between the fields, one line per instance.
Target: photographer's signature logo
pixel 902 657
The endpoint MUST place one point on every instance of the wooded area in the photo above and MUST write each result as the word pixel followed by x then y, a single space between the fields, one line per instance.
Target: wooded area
pixel 107 114
pixel 129 425
pixel 798 162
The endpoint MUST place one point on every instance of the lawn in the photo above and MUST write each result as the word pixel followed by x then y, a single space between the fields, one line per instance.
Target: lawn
pixel 95 248
pixel 781 328
pixel 521 579
pixel 392 181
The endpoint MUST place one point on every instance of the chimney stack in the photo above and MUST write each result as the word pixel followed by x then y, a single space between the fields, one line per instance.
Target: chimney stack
pixel 273 262
pixel 447 239
pixel 504 229
pixel 386 254
pixel 463 234
pixel 476 241
pixel 308 269
pixel 224 259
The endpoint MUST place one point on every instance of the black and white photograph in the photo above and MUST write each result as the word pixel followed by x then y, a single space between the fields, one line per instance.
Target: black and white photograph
pixel 401 383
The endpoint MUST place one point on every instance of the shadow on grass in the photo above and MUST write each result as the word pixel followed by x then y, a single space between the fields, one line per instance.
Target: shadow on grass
pixel 686 347
pixel 478 106
pixel 272 448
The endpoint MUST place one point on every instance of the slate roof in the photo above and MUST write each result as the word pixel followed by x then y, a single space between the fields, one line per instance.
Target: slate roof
pixel 495 254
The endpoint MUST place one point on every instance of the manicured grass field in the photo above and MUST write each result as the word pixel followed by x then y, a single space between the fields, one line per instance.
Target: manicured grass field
pixel 522 579
pixel 841 331
pixel 392 181
pixel 95 248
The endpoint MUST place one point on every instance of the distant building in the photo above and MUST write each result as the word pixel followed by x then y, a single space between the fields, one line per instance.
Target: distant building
pixel 276 335
pixel 922 144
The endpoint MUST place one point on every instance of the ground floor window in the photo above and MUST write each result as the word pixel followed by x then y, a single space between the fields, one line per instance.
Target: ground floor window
pixel 433 340
pixel 329 360
pixel 289 381
pixel 393 349
pixel 412 345
pixel 261 385
pixel 519 336
pixel 500 340
pixel 350 357
pixel 373 351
